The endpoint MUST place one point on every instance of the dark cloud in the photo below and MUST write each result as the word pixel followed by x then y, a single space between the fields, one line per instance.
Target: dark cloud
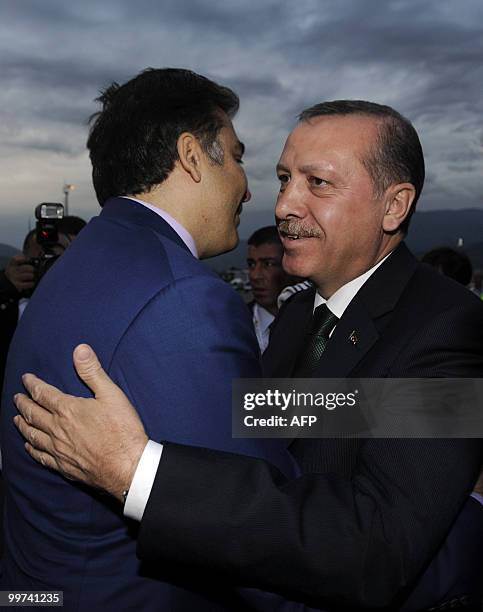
pixel 56 72
pixel 423 58
pixel 51 145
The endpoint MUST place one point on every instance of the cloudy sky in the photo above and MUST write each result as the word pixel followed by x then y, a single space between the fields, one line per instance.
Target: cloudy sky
pixel 424 57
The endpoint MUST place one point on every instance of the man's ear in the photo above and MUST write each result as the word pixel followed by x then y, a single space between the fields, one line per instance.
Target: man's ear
pixel 399 199
pixel 189 153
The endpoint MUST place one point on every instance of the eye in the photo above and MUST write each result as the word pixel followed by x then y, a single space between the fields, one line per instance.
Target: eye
pixel 239 161
pixel 316 181
pixel 284 180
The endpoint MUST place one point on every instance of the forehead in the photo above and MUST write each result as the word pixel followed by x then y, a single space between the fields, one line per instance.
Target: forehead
pixel 267 250
pixel 334 138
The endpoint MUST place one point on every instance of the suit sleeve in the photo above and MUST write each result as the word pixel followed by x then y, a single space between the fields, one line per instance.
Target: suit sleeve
pixel 323 538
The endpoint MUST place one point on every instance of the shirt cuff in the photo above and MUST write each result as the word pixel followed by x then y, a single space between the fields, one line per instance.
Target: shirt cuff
pixel 143 481
pixel 477 496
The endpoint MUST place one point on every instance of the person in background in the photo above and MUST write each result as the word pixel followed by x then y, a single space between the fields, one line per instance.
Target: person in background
pixel 267 279
pixel 451 263
pixel 19 279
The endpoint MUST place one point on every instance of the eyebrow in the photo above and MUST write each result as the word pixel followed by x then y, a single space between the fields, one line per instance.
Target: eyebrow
pixel 313 168
pixel 262 259
pixel 305 169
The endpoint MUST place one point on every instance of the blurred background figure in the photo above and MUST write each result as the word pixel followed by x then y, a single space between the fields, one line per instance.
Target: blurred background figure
pixel 19 279
pixel 267 279
pixel 452 263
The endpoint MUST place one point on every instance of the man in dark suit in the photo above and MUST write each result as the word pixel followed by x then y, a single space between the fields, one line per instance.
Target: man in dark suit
pixel 364 521
pixel 167 172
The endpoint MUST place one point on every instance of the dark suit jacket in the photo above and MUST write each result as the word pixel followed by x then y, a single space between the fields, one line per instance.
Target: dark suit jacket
pixel 172 335
pixel 368 516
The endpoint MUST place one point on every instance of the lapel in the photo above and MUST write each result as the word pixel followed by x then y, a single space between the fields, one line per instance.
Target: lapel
pixel 136 214
pixel 357 331
pixel 287 335
pixel 353 337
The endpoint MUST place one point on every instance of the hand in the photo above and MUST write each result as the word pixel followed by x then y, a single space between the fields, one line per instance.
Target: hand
pixel 98 441
pixel 20 273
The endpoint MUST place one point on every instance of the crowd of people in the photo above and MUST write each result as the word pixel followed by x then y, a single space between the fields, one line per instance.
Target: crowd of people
pixel 131 492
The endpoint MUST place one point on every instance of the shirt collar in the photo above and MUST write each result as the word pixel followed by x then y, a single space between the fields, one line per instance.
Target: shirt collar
pixel 182 232
pixel 340 300
pixel 262 315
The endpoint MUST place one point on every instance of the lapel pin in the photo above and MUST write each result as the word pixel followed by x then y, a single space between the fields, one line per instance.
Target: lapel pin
pixel 354 338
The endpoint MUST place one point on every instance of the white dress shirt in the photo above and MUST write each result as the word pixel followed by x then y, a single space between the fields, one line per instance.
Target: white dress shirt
pixel 262 319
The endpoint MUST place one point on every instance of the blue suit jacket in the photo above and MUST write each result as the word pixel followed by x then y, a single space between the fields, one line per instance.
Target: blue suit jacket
pixel 173 336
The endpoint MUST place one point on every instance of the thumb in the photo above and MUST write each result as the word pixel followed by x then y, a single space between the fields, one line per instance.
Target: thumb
pixel 89 369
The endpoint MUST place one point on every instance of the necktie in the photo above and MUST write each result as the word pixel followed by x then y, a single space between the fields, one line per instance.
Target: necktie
pixel 315 342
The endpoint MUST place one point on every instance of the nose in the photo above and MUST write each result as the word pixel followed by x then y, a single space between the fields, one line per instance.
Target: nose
pixel 256 272
pixel 248 196
pixel 290 202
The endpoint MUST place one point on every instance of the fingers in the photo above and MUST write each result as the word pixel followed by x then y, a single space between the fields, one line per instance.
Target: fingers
pixel 44 458
pixel 20 273
pixel 45 395
pixel 91 372
pixel 18 260
pixel 33 414
pixel 36 438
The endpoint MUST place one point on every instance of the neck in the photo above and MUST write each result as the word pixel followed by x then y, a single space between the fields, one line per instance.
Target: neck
pixel 177 204
pixel 327 289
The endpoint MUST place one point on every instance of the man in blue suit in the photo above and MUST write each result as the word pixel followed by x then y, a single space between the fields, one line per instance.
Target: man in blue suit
pixel 365 519
pixel 167 172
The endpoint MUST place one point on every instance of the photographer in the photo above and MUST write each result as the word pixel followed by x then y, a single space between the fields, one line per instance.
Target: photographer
pixel 20 278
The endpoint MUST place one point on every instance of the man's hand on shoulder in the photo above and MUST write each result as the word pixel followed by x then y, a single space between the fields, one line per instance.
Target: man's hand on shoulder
pixel 98 441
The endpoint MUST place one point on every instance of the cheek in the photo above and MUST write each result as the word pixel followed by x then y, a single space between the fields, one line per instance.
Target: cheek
pixel 330 219
pixel 302 262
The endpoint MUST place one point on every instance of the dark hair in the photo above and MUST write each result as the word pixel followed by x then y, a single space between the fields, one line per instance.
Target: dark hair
pixel 132 142
pixel 455 264
pixel 71 225
pixel 396 157
pixel 265 235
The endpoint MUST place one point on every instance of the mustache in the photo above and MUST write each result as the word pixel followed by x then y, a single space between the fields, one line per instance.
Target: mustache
pixel 292 227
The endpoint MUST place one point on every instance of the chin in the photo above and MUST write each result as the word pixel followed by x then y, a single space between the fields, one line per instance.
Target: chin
pixel 296 265
pixel 228 245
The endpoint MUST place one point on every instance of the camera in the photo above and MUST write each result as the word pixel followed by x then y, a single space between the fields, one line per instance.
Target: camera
pixel 48 215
